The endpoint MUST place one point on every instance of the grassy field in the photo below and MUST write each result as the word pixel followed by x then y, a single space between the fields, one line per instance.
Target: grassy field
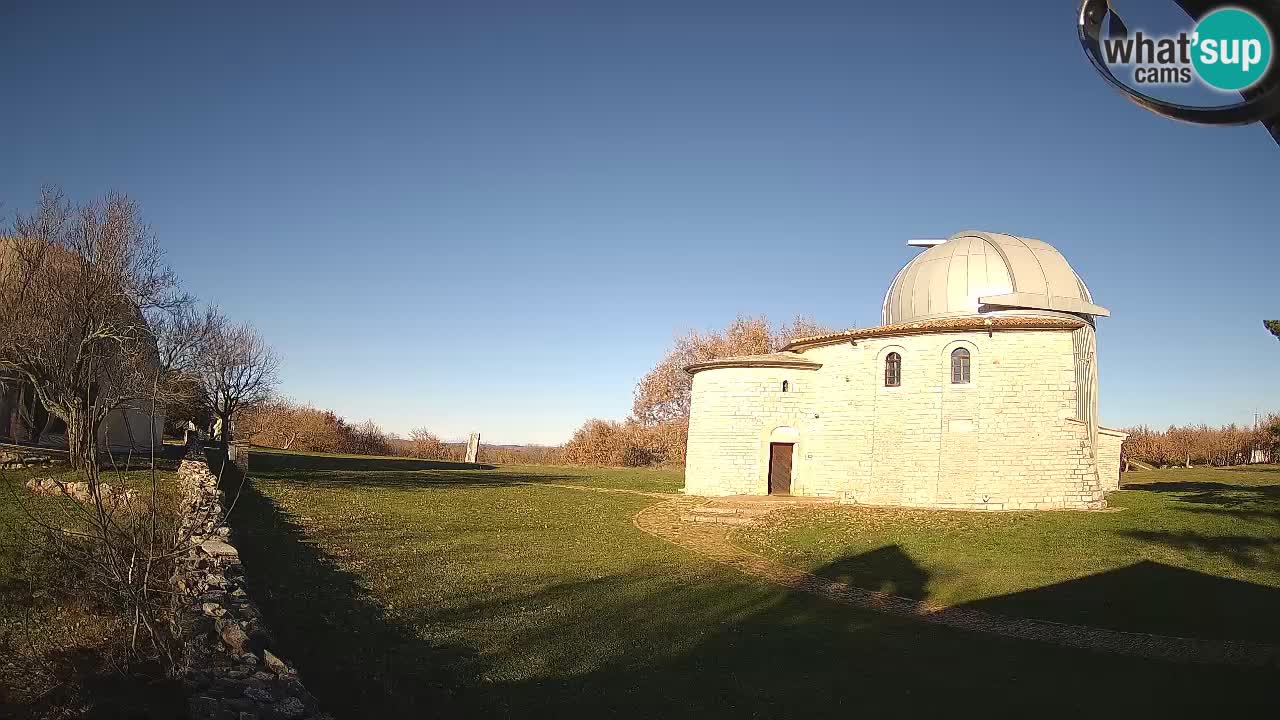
pixel 1191 552
pixel 406 588
pixel 58 652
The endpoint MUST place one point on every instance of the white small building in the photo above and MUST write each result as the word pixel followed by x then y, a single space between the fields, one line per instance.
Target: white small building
pixel 979 391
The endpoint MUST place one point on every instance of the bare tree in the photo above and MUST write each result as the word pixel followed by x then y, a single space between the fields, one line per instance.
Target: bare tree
pixel 182 334
pixel 662 395
pixel 424 444
pixel 235 369
pixel 75 286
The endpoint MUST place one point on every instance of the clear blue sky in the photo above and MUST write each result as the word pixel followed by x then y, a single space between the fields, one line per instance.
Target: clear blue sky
pixel 494 216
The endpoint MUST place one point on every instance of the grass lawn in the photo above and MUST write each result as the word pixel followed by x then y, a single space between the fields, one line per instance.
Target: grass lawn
pixel 56 649
pixel 403 588
pixel 1191 552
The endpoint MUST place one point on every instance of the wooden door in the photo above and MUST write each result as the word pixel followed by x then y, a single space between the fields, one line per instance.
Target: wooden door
pixel 780 468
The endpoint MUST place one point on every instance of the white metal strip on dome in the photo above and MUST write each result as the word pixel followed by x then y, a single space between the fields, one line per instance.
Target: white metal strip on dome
pixel 1045 302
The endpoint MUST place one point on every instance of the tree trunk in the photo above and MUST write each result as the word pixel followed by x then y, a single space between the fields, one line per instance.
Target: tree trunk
pixel 82 442
pixel 224 430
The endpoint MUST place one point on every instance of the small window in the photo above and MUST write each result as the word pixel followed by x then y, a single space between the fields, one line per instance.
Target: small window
pixel 893 370
pixel 786 386
pixel 959 366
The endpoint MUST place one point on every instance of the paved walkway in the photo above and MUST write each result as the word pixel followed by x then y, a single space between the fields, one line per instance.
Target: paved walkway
pixel 711 540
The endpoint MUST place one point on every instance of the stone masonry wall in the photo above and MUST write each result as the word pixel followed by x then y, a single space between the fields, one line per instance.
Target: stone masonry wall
pixel 232 673
pixel 1002 441
pixel 1109 445
pixel 736 409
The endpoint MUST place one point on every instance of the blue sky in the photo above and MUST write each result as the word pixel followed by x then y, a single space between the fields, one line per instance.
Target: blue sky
pixel 494 216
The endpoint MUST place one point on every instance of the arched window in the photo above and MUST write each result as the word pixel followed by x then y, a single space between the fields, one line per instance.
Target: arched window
pixel 892 370
pixel 959 366
pixel 786 385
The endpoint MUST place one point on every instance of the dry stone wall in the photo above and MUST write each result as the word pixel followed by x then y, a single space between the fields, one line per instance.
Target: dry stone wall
pixel 232 672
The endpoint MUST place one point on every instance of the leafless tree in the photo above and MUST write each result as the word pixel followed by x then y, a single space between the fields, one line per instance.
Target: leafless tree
pixel 76 283
pixel 182 334
pixel 235 369
pixel 662 395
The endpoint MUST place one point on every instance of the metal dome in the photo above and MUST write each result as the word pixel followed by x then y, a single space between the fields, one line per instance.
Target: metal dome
pixel 980 273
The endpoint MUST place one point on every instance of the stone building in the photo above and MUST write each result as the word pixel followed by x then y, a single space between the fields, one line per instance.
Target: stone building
pixel 979 391
pixel 24 420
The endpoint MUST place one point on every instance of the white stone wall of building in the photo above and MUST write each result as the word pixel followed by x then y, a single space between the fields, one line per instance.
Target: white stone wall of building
pixel 1003 441
pixel 735 411
pixel 1109 444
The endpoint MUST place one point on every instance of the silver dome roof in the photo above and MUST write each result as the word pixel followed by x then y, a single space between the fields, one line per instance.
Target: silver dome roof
pixel 981 273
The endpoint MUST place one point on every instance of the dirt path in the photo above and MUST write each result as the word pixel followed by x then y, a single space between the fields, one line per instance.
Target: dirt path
pixel 663 520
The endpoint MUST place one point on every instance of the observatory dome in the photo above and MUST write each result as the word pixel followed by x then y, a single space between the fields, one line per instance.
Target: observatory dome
pixel 981 273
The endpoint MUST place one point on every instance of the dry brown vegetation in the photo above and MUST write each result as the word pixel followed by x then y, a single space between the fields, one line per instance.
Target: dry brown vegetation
pixel 289 425
pixel 655 433
pixel 1190 445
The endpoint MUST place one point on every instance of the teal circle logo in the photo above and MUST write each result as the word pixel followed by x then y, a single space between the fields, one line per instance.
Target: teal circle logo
pixel 1232 49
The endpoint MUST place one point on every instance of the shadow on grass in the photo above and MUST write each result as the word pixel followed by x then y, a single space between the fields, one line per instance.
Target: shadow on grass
pixel 888 569
pixel 1243 550
pixel 638 644
pixel 1213 492
pixel 323 619
pixel 267 461
pixel 1154 598
pixel 385 473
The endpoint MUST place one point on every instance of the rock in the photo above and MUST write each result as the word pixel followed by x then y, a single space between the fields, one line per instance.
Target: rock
pixel 234 636
pixel 219 549
pixel 213 610
pixel 290 708
pixel 273 663
pixel 259 694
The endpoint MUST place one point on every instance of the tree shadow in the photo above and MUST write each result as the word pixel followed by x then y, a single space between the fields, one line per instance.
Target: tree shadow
pixel 324 620
pixel 644 644
pixel 266 461
pixel 1250 503
pixel 1213 493
pixel 1243 550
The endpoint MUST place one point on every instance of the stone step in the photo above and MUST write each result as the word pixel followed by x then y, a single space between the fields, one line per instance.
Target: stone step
pixel 711 510
pixel 732 511
pixel 717 519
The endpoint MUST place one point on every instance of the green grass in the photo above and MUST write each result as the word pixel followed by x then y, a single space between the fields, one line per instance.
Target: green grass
pixel 409 590
pixel 56 649
pixel 1192 552
pixel 402 471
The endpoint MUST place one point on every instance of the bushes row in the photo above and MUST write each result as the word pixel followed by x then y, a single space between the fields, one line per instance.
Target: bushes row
pixel 287 425
pixel 1205 445
pixel 627 444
